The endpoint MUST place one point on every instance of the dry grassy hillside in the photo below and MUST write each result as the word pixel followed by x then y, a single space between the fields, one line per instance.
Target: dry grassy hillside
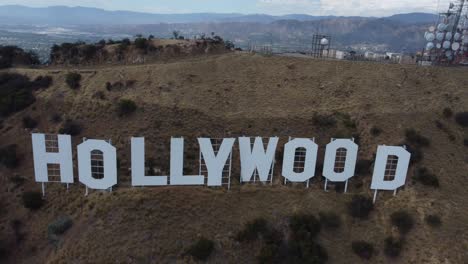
pixel 235 95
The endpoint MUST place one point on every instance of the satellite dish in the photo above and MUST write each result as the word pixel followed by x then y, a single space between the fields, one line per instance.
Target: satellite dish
pixel 324 42
pixel 438 46
pixel 457 36
pixel 448 36
pixel 429 46
pixel 440 36
pixel 455 46
pixel 442 27
pixel 446 44
pixel 431 29
pixel 430 36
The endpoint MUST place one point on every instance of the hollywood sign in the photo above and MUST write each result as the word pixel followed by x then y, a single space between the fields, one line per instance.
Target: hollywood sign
pixel 97 162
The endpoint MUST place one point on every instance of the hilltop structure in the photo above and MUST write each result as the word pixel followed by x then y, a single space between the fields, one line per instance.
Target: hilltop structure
pixel 447 42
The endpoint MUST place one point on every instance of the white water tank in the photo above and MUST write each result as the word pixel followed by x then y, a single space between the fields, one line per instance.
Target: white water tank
pixel 324 42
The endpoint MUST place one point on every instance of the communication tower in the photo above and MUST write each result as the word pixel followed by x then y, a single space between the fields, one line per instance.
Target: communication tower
pixel 447 41
pixel 320 45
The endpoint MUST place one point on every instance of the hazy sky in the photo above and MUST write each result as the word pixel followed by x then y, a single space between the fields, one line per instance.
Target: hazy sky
pixel 275 7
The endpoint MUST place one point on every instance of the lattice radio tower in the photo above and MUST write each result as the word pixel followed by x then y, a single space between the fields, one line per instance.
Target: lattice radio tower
pixel 447 41
pixel 320 45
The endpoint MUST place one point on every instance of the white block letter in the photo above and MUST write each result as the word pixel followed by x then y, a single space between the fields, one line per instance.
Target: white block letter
pixel 402 164
pixel 256 158
pixel 330 158
pixel 310 161
pixel 138 166
pixel 215 163
pixel 42 158
pixel 177 166
pixel 110 164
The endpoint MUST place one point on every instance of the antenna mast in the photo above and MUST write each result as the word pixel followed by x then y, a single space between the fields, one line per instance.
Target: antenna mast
pixel 447 41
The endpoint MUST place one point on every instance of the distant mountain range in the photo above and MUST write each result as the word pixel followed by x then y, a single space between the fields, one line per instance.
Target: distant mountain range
pixel 39 28
pixel 62 16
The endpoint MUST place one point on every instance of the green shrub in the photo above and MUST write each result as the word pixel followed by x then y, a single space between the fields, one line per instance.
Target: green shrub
pixel 417 155
pixel 43 82
pixel 252 230
pixel 403 221
pixel 339 187
pixel 99 95
pixel 13 55
pixel 141 43
pixel 73 80
pixel 56 118
pixel 306 251
pixel 17 180
pixel 29 122
pixel 448 113
pixel 71 128
pixel 8 156
pixel 126 107
pixel 272 236
pixel 229 45
pixel 5 249
pixel 393 247
pixel 325 121
pixel 462 119
pixel 330 220
pixel 75 53
pixel 126 41
pixel 16 225
pixel 416 139
pixel 363 249
pixel 363 167
pixel 202 249
pixel 440 125
pixel 425 177
pixel 89 51
pixel 348 121
pixel 272 246
pixel 375 131
pixel 433 220
pixel 452 137
pixel 15 93
pixel 32 200
pixel 59 226
pixel 360 206
pixel 268 253
pixel 304 226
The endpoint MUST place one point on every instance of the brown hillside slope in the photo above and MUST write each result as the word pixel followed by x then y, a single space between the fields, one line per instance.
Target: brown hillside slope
pixel 234 95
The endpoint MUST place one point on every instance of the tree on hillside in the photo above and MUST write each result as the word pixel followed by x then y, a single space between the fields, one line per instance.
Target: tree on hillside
pixel 11 55
pixel 176 35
